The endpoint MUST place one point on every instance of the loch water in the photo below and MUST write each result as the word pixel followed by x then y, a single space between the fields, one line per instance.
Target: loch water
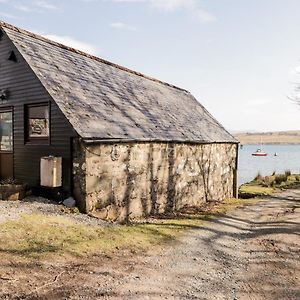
pixel 288 158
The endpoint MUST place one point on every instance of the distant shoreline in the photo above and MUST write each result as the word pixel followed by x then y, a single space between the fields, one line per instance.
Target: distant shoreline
pixel 275 143
pixel 270 138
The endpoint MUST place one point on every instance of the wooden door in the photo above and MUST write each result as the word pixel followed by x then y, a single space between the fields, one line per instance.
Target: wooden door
pixel 6 144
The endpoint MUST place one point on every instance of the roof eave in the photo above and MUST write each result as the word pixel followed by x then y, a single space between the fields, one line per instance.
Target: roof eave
pixel 116 140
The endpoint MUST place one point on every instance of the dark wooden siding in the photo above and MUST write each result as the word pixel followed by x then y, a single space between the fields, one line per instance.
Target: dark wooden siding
pixel 25 88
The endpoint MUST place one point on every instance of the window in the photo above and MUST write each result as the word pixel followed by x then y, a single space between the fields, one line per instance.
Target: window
pixel 6 131
pixel 37 123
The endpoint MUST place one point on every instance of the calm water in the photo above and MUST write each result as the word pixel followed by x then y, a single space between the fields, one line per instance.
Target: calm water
pixel 288 159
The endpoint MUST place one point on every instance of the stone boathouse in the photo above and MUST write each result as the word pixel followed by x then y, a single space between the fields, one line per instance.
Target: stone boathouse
pixel 131 145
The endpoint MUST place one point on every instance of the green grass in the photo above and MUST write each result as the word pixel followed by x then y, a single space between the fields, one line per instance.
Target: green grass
pixel 254 190
pixel 264 186
pixel 40 235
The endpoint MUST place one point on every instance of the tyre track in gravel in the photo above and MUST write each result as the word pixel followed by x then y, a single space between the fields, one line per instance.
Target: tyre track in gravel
pixel 250 253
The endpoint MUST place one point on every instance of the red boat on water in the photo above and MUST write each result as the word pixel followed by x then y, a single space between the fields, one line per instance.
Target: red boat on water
pixel 259 152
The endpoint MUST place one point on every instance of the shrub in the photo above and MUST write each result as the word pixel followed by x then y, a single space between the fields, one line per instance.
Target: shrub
pixel 258 177
pixel 288 173
pixel 280 178
pixel 297 177
pixel 268 181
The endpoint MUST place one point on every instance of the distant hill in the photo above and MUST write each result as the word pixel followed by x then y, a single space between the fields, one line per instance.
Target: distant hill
pixel 276 137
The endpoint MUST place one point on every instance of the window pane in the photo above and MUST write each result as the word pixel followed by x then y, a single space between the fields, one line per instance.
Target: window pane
pixel 38 121
pixel 6 133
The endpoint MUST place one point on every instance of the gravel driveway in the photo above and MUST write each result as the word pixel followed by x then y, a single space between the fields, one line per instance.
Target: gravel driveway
pixel 251 253
pixel 12 210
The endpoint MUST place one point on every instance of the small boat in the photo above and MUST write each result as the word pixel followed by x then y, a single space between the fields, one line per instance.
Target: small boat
pixel 259 152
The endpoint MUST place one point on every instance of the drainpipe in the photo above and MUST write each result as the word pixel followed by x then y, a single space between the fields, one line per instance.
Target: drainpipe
pixel 235 174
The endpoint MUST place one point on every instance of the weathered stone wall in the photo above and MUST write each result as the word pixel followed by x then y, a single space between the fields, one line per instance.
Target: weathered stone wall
pixel 79 174
pixel 129 181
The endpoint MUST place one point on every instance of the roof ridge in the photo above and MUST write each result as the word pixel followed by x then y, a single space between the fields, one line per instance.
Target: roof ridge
pixel 41 38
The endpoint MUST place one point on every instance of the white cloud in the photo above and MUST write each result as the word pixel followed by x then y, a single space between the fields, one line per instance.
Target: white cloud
pixel 23 8
pixel 172 4
pixel 45 5
pixel 121 25
pixel 191 6
pixel 71 42
pixel 36 6
pixel 123 0
pixel 204 16
pixel 9 16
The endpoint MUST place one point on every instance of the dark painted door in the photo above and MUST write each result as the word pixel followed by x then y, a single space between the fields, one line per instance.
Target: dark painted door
pixel 6 144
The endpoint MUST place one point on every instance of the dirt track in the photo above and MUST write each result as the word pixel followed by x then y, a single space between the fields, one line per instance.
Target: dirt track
pixel 251 253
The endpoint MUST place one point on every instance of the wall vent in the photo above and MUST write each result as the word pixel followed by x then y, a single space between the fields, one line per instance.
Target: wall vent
pixel 12 56
pixel 3 95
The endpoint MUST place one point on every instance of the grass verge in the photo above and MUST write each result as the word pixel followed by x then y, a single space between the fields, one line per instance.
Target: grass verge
pixel 43 236
pixel 267 185
pixel 253 189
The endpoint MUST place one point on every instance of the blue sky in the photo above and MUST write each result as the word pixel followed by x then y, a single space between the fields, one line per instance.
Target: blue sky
pixel 240 58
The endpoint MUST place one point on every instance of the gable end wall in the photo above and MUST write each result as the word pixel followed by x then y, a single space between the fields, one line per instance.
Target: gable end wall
pixel 25 88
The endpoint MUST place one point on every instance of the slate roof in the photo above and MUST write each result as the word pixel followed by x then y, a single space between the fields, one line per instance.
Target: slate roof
pixel 104 101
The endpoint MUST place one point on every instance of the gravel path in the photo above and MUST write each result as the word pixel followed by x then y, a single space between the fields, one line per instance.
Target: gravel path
pixel 12 210
pixel 251 253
